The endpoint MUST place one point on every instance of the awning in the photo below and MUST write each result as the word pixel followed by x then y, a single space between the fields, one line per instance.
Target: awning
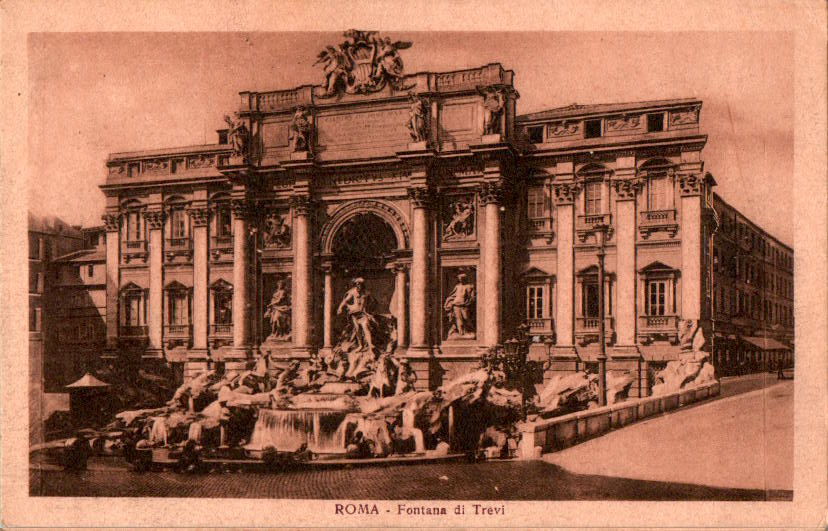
pixel 765 343
pixel 87 381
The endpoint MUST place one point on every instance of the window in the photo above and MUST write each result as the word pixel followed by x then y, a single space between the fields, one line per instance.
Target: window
pixel 655 122
pixel 537 204
pixel 592 128
pixel 33 319
pixel 535 308
pixel 657 194
pixel 132 309
pixel 739 302
pixel 535 134
pixel 655 298
pixel 590 300
pixel 178 307
pixel 223 303
pixel 223 221
pixel 592 198
pixel 34 246
pixel 178 223
pixel 133 226
pixel 34 282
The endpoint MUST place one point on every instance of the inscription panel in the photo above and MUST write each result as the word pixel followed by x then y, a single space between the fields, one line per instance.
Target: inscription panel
pixel 275 134
pixel 362 128
pixel 457 118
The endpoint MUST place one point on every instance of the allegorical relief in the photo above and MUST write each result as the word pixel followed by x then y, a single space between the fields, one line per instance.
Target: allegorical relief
pixel 459 216
pixel 276 232
pixel 459 307
pixel 278 311
pixel 364 63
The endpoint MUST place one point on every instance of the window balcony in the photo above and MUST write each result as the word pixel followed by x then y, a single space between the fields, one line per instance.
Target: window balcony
pixel 587 223
pixel 178 330
pixel 132 249
pixel 540 325
pixel 221 334
pixel 221 246
pixel 652 327
pixel 133 331
pixel 178 247
pixel 540 225
pixel 651 221
pixel 587 329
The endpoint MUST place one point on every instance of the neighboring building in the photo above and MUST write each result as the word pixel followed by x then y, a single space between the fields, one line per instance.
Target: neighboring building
pixel 752 294
pixel 463 219
pixel 49 237
pixel 78 308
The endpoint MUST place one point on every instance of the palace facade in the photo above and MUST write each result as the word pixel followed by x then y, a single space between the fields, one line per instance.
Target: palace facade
pixel 460 218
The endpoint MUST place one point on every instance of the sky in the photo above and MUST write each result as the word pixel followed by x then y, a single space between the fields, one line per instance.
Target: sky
pixel 96 93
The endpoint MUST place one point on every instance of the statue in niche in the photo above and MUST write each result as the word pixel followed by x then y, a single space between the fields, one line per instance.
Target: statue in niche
pixel 238 134
pixel 493 105
pixel 278 311
pixel 459 306
pixel 300 130
pixel 277 232
pixel 461 225
pixel 417 119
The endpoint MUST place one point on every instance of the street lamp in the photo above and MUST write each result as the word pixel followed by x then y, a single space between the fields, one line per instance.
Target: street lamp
pixel 600 232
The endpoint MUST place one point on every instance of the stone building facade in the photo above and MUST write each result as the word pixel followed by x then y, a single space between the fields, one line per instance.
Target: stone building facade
pixel 421 207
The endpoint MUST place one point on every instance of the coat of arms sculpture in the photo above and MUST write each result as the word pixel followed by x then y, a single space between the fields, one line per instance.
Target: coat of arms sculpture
pixel 364 63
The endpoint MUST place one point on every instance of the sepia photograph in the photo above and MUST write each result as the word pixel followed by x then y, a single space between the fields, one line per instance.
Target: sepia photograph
pixel 412 273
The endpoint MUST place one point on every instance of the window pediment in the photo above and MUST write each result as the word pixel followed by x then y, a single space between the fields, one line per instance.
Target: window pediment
pixel 221 285
pixel 131 287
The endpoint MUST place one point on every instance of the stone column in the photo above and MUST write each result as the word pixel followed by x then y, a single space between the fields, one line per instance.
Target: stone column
pixel 565 194
pixel 199 216
pixel 691 251
pixel 241 269
pixel 402 305
pixel 490 198
pixel 113 256
pixel 302 276
pixel 327 315
pixel 626 190
pixel 155 222
pixel 420 199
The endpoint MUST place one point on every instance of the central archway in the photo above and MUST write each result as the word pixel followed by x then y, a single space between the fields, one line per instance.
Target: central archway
pixel 364 243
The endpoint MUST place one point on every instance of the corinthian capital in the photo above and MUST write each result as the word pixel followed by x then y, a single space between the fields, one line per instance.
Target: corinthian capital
pixel 491 192
pixel 301 205
pixel 420 197
pixel 155 218
pixel 199 215
pixel 626 189
pixel 690 184
pixel 565 193
pixel 112 222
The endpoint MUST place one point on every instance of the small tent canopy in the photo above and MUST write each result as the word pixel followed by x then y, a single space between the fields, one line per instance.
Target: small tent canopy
pixel 87 381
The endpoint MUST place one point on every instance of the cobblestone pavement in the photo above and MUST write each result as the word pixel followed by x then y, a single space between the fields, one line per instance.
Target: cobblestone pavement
pixel 495 480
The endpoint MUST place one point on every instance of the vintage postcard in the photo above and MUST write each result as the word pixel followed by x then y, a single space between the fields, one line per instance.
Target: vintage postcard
pixel 316 271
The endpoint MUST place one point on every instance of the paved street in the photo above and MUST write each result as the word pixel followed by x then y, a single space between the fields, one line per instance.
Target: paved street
pixel 741 441
pixel 705 437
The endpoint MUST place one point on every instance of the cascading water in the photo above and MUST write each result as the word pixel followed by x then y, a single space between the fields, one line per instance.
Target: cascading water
pixel 287 430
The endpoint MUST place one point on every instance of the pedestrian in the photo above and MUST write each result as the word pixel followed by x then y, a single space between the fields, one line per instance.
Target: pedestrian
pixel 77 453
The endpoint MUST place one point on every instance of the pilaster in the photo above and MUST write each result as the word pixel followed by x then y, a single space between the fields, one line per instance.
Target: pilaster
pixel 491 196
pixel 199 215
pixel 302 275
pixel 242 306
pixel 420 198
pixel 155 222
pixel 690 186
pixel 564 196
pixel 626 191
pixel 112 222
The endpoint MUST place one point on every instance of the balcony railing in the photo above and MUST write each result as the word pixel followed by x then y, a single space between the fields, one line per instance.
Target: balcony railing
pixel 178 330
pixel 592 324
pixel 134 246
pixel 540 324
pixel 653 220
pixel 221 330
pixel 540 225
pixel 658 323
pixel 222 242
pixel 133 331
pixel 587 223
pixel 179 244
